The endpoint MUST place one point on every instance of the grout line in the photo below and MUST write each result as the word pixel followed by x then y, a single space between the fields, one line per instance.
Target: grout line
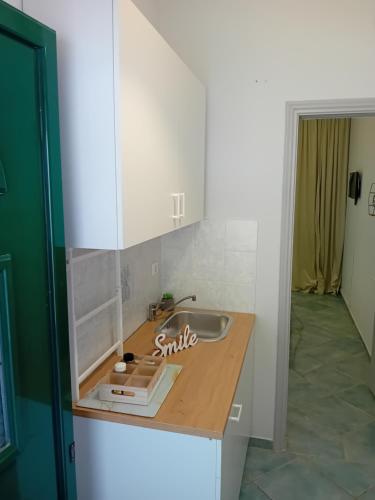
pixel 321 473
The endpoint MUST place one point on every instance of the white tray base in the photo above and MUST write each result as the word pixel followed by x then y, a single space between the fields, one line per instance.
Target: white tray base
pixel 92 398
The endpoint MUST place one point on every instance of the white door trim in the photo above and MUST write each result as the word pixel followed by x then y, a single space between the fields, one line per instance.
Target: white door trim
pixel 294 111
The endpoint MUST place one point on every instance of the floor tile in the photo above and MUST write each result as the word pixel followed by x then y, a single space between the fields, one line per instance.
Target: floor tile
pixel 354 478
pixel 359 445
pixel 358 367
pixel 260 461
pixel 301 394
pixel 336 416
pixel 308 438
pixel 252 492
pixel 299 481
pixel 328 379
pixel 359 396
pixel 312 336
pixel 335 350
pixel 304 363
pixel 296 380
pixel 331 413
pixel 369 495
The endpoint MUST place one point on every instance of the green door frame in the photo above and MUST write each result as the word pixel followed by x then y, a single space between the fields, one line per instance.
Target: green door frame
pixel 16 24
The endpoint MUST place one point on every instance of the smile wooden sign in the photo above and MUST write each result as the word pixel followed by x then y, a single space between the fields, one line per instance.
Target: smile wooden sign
pixel 183 341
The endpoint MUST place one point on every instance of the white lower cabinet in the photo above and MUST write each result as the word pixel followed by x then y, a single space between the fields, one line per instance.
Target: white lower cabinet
pixel 125 462
pixel 237 433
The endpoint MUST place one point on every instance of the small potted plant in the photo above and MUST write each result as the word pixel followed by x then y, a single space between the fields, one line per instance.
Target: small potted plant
pixel 167 301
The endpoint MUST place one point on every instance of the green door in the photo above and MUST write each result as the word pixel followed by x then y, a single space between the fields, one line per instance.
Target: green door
pixel 35 403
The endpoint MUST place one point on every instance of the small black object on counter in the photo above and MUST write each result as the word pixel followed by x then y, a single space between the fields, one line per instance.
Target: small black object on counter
pixel 128 357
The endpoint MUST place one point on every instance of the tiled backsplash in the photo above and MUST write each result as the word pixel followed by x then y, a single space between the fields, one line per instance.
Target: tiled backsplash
pixel 139 287
pixel 214 259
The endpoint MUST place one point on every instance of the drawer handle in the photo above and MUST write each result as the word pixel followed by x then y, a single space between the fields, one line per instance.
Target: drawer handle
pixel 237 418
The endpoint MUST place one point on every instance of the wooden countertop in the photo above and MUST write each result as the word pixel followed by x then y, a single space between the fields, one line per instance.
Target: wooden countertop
pixel 201 397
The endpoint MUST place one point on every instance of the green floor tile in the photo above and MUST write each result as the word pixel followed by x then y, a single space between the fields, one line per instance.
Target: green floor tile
pixel 358 368
pixel 354 478
pixel 328 379
pixel 252 492
pixel 369 495
pixel 306 437
pixel 336 416
pixel 304 363
pixel 331 413
pixel 359 445
pixel 300 481
pixel 302 393
pixel 361 397
pixel 336 350
pixel 260 461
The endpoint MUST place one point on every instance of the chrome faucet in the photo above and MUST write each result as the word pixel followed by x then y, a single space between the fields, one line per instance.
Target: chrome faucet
pixel 192 297
pixel 155 306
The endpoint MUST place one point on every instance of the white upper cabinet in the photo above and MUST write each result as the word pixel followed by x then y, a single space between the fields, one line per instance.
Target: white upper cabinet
pixel 132 125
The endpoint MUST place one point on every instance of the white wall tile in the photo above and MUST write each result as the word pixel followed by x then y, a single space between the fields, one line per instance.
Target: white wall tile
pixel 241 236
pixel 210 234
pixel 208 250
pixel 239 297
pixel 239 267
pixel 139 287
pixel 202 259
pixel 210 294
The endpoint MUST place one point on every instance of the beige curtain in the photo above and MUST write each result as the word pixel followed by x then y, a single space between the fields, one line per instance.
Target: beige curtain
pixel 321 186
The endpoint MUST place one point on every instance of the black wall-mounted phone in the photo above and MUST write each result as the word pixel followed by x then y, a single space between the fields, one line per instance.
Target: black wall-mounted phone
pixel 371 200
pixel 355 182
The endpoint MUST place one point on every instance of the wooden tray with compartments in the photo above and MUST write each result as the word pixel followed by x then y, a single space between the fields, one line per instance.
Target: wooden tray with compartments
pixel 137 385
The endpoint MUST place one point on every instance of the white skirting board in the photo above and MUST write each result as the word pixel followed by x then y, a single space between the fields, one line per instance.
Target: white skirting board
pixel 347 303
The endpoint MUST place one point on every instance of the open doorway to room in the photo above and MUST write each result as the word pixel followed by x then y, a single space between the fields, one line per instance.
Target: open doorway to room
pixel 324 442
pixel 331 409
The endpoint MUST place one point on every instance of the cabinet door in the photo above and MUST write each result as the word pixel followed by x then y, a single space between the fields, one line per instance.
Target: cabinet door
pixel 127 462
pixel 160 131
pixel 191 143
pixel 237 432
pixel 87 117
pixel 147 103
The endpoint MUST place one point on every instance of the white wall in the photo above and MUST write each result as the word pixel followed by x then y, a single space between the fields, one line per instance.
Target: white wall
pixel 15 3
pixel 254 55
pixel 149 8
pixel 358 280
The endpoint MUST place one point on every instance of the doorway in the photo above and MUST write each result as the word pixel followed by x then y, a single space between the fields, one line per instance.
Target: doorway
pixel 294 112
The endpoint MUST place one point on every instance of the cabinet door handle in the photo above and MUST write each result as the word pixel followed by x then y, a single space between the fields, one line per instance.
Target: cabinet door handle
pixel 182 205
pixel 239 411
pixel 176 206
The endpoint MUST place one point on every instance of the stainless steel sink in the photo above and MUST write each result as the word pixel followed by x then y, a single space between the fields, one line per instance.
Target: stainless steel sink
pixel 209 326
